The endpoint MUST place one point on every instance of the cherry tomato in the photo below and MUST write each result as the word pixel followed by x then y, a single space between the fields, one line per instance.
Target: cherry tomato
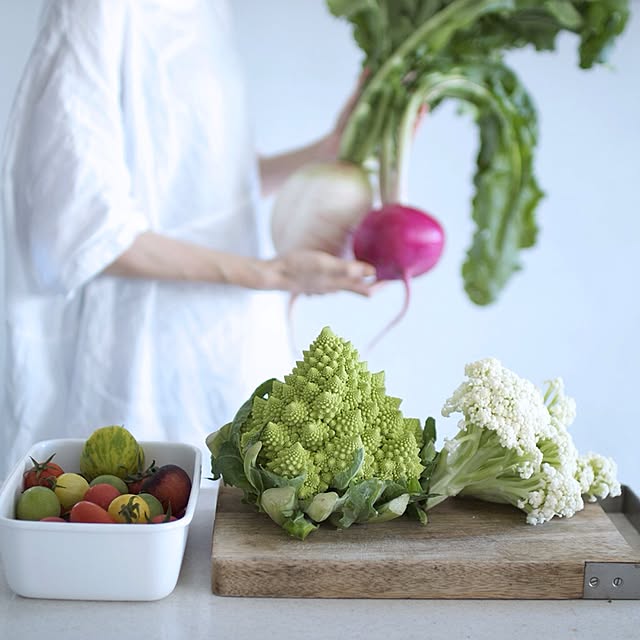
pixel 36 503
pixel 130 508
pixel 85 511
pixel 118 483
pixel 165 517
pixel 155 506
pixel 136 480
pixel 101 494
pixel 70 488
pixel 42 473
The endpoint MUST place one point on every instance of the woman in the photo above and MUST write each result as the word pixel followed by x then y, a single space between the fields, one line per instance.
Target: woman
pixel 133 258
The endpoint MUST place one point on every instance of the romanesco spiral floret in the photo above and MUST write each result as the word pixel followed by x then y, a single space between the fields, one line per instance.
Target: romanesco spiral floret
pixel 275 438
pixel 340 452
pixel 348 423
pixel 328 407
pixel 313 434
pixel 402 453
pixel 296 413
pixel 291 461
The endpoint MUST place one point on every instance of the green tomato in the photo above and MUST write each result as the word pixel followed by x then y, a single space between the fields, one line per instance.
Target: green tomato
pixel 114 481
pixel 36 503
pixel 155 506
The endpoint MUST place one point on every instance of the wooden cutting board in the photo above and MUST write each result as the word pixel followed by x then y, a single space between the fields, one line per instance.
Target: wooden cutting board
pixel 469 549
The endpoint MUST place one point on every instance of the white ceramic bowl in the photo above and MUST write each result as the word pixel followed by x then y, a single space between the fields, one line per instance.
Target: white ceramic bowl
pixel 82 561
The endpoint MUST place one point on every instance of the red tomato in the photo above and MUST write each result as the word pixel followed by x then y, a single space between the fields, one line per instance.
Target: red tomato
pixel 163 517
pixel 84 511
pixel 136 480
pixel 52 519
pixel 42 473
pixel 101 494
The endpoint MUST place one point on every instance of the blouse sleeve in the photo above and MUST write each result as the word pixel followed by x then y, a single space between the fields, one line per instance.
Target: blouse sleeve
pixel 75 210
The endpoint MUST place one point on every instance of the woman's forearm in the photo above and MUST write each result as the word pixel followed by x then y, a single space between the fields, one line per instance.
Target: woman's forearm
pixel 159 257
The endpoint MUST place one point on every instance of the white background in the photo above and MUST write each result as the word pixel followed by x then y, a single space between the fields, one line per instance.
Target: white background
pixel 574 310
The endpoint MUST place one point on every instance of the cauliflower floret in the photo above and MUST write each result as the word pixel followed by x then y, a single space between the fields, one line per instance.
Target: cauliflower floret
pixel 561 407
pixel 495 398
pixel 597 476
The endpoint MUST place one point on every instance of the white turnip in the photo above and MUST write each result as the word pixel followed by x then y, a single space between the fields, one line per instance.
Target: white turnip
pixel 319 206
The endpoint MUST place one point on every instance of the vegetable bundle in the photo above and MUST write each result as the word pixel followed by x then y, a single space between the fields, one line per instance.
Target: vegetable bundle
pixel 419 53
pixel 329 444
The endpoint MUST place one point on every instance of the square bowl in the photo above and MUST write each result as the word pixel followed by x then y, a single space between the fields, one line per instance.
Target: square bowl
pixel 86 561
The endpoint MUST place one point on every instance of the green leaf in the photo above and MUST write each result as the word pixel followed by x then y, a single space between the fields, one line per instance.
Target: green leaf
pixel 249 464
pixel 299 526
pixel 390 510
pixel 322 506
pixel 341 480
pixel 357 504
pixel 429 432
pixel 215 440
pixel 279 503
pixel 270 479
pixel 243 413
pixel 416 513
pixel 229 465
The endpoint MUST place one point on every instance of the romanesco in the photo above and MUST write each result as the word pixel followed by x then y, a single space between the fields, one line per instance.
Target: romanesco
pixel 513 447
pixel 328 427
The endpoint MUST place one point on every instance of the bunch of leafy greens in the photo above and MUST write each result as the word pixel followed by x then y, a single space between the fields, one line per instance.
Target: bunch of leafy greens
pixel 420 52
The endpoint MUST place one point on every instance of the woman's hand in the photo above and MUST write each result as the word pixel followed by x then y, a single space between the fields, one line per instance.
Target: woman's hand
pixel 314 272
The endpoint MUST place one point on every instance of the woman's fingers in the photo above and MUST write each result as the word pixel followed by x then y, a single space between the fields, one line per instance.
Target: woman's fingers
pixel 316 272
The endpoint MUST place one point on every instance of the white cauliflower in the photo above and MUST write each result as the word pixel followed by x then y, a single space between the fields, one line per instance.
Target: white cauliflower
pixel 513 447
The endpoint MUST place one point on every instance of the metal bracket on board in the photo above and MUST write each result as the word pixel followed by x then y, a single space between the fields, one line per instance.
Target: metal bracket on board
pixel 612 581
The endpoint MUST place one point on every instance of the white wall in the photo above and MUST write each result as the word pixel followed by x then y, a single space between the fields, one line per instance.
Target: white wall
pixel 573 311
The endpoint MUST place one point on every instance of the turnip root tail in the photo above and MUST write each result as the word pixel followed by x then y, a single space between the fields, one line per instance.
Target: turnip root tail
pixel 290 324
pixel 406 279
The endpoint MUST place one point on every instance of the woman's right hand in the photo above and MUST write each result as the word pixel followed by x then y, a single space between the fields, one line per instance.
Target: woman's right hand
pixel 305 271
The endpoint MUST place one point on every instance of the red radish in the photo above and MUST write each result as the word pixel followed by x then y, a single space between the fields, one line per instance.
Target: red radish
pixel 401 243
